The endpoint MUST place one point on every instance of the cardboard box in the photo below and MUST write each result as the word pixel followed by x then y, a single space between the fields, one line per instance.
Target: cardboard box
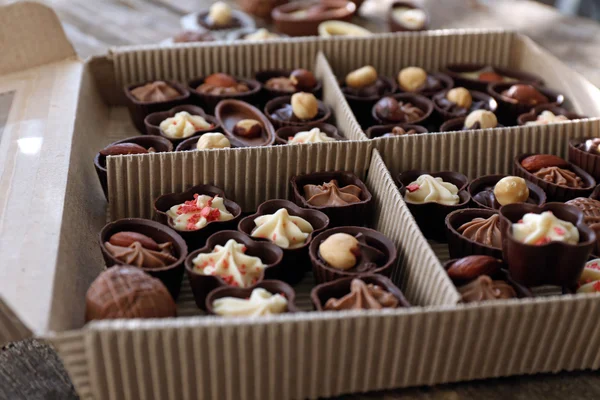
pixel 62 110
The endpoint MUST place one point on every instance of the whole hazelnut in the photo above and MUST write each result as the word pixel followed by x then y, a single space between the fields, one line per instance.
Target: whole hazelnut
pixel 305 105
pixel 525 94
pixel 511 189
pixel 340 250
pixel 220 13
pixel 303 79
pixel 220 80
pixel 213 140
pixel 248 128
pixel 485 118
pixel 389 109
pixel 361 77
pixel 460 96
pixel 411 79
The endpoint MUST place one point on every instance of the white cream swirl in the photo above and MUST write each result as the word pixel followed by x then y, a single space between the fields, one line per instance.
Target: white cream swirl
pixel 313 136
pixel 183 125
pixel 284 230
pixel 547 117
pixel 539 229
pixel 195 214
pixel 260 303
pixel 427 189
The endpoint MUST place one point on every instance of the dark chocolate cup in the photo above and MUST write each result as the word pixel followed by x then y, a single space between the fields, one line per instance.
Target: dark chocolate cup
pixel 553 191
pixel 230 112
pixel 272 105
pixel 341 287
pixel 209 101
pixel 458 245
pixel 361 105
pixel 476 186
pixel 458 124
pixel 455 72
pixel 295 261
pixel 196 239
pixel 596 193
pixel 395 26
pixel 324 273
pixel 554 263
pixel 282 134
pixel 349 214
pixel 289 24
pixel 556 110
pixel 270 255
pixel 490 104
pixel 508 112
pixel 268 94
pixel 377 131
pixel 190 144
pixel 502 275
pixel 170 275
pixel 138 110
pixel 422 102
pixel 159 144
pixel 272 286
pixel 431 216
pixel 237 22
pixel 585 160
pixel 445 79
pixel 152 122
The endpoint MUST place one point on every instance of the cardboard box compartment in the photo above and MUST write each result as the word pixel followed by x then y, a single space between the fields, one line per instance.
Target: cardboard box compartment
pixel 62 110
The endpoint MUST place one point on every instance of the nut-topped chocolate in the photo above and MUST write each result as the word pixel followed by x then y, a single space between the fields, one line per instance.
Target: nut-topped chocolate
pixel 591 146
pixel 190 36
pixel 406 16
pixel 552 169
pixel 468 268
pixel 299 80
pixel 157 91
pixel 213 140
pixel 392 110
pixel 133 248
pixel 331 194
pixel 589 207
pixel 481 119
pixel 417 80
pixel 183 125
pixel 220 84
pixel 363 296
pixel 298 109
pixel 589 281
pixel 219 16
pixel 366 82
pixel 494 191
pixel 485 231
pixel 350 253
pixel 524 94
pixel 117 149
pixel 459 102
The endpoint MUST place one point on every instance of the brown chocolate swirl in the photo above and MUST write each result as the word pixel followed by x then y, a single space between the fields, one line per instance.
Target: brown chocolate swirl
pixel 363 296
pixel 590 208
pixel 136 254
pixel 483 230
pixel 484 288
pixel 560 176
pixel 155 92
pixel 329 194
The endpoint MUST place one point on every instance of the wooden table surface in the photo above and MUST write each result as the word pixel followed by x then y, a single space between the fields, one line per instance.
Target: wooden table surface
pixel 31 370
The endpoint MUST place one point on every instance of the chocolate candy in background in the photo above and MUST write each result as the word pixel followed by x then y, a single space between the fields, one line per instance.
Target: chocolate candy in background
pixel 155 92
pixel 485 231
pixel 363 296
pixel 330 194
pixel 484 288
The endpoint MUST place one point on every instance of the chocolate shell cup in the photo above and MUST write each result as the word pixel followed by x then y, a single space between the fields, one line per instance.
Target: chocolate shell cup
pixel 271 286
pixel 295 261
pixel 286 19
pixel 378 131
pixel 456 71
pixel 553 191
pixel 190 144
pixel 283 134
pixel 445 80
pixel 596 193
pixel 259 8
pixel 431 216
pixel 153 121
pixel 421 102
pixel 481 101
pixel 361 105
pixel 341 287
pixel 139 110
pixel 589 162
pixel 460 246
pixel 458 124
pixel 230 112
pixel 349 214
pixel 487 182
pixel 324 113
pixel 159 144
pixel 171 275
pixel 242 34
pixel 197 238
pixel 556 110
pixel 396 26
pixel 554 263
pixel 323 272
pixel 270 94
pixel 239 21
pixel 509 111
pixel 209 101
pixel 270 255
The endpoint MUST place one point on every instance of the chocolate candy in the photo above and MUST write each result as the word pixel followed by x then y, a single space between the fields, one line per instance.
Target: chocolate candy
pixel 193 36
pixel 481 119
pixel 155 92
pixel 346 252
pixel 132 248
pixel 392 110
pixel 460 96
pixel 483 230
pixel 484 288
pixel 123 149
pixel 411 79
pixel 220 83
pixel 304 105
pixel 525 94
pixel 329 194
pixel 560 176
pixel 361 77
pixel 471 267
pixel 363 296
pixel 590 208
pixel 511 189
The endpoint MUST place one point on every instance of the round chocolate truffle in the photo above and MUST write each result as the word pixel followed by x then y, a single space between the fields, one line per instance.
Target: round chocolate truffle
pixel 511 189
pixel 481 119
pixel 339 250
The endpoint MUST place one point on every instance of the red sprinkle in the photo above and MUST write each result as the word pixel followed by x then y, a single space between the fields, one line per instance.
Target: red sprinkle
pixel 596 286
pixel 244 248
pixel 520 221
pixel 593 266
pixel 559 231
pixel 274 237
pixel 412 188
pixel 542 241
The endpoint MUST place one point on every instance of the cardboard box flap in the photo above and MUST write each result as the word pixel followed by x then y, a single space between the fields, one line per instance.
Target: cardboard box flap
pixel 31 35
pixel 11 328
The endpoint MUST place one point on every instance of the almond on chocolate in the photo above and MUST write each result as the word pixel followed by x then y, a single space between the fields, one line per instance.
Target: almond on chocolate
pixel 123 149
pixel 469 268
pixel 538 161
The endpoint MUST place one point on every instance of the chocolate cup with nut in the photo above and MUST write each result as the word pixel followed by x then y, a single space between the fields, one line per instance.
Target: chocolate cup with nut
pixel 458 124
pixel 340 287
pixel 460 246
pixel 270 255
pixel 445 80
pixel 191 144
pixel 396 26
pixel 501 275
pixel 282 135
pixel 481 101
pixel 378 131
pixel 349 214
pixel 553 191
pixel 509 109
pixel 270 94
pixel 457 71
pixel 197 238
pixel 160 145
pixel 260 8
pixel 554 263
pixel 295 261
pixel 139 110
pixel 421 102
pixel 171 275
pixel 361 105
pixel 431 216
pixel 154 120
pixel 230 112
pixel 209 101
pixel 325 273
pixel 556 110
pixel 487 182
pixel 271 286
pixel 589 162
pixel 286 19
pixel 323 115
